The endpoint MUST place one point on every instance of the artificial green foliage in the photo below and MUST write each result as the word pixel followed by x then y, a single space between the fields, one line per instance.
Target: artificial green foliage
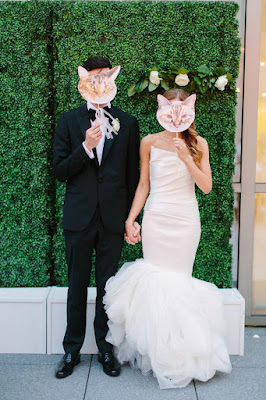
pixel 25 144
pixel 136 35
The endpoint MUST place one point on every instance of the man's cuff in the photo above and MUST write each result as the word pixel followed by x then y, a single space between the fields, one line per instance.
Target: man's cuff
pixel 90 153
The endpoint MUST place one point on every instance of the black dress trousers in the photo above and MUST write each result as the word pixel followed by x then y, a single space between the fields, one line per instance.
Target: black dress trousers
pixel 79 248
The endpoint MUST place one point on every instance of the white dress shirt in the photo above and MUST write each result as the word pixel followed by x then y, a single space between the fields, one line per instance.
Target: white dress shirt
pixel 100 145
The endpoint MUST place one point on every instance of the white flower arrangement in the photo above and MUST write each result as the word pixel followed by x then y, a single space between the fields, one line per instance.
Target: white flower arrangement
pixel 197 80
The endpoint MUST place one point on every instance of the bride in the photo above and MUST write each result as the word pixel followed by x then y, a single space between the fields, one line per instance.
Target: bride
pixel 161 319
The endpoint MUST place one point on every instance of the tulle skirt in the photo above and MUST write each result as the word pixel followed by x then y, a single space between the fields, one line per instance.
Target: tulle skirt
pixel 166 323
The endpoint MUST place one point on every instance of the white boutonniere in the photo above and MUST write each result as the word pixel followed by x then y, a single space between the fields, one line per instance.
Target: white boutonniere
pixel 116 124
pixel 107 128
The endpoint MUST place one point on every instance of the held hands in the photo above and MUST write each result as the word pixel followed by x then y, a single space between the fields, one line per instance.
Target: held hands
pixel 93 136
pixel 182 150
pixel 132 235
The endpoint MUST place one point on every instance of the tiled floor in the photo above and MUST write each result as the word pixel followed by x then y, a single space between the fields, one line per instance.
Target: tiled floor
pixel 31 377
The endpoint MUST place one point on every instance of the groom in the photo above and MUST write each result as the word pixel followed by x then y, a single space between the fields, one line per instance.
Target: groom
pixel 101 177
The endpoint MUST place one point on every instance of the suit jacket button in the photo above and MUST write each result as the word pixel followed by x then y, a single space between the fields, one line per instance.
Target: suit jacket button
pixel 100 180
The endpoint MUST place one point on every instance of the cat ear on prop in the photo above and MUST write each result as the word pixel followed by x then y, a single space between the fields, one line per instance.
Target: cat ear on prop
pixel 114 72
pixel 82 72
pixel 162 101
pixel 190 100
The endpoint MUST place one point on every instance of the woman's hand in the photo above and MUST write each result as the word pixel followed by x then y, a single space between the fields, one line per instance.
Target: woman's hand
pixel 202 175
pixel 132 235
pixel 182 150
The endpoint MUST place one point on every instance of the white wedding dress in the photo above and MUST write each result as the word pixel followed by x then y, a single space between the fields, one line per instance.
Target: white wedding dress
pixel 161 319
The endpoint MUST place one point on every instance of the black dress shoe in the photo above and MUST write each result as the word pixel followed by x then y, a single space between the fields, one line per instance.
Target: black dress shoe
pixel 110 364
pixel 66 365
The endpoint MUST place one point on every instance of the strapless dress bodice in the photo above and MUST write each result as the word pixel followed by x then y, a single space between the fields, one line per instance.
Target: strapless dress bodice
pixel 171 184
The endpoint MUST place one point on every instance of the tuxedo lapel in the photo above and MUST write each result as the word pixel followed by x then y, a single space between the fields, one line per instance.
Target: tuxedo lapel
pixel 84 116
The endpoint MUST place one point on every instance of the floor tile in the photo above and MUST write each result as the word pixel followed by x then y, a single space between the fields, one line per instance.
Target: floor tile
pixel 240 384
pixel 131 385
pixel 254 350
pixel 26 381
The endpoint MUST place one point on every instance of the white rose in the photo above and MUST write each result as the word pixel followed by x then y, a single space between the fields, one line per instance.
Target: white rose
pixel 221 82
pixel 154 78
pixel 182 80
pixel 116 124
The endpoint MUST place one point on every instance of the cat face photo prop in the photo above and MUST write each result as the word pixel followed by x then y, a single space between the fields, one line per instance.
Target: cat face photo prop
pixel 100 89
pixel 176 115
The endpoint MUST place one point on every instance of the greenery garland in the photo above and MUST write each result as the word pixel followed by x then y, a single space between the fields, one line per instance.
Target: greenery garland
pixel 200 80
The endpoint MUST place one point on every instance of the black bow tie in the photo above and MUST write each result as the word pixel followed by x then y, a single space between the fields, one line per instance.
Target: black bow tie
pixel 91 112
pixel 106 108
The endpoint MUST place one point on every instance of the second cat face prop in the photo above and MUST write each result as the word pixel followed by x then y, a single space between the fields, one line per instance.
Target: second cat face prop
pixel 176 115
pixel 98 88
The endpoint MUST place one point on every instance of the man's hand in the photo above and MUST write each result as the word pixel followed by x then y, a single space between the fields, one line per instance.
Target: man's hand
pixel 93 136
pixel 132 235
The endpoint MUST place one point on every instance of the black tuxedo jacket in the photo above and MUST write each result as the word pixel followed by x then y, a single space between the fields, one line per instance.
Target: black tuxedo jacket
pixel 112 185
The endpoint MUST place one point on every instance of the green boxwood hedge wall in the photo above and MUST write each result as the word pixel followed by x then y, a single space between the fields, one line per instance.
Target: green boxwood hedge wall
pixel 135 35
pixel 25 144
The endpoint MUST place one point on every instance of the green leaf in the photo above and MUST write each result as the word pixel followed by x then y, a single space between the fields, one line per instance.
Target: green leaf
pixel 191 86
pixel 182 71
pixel 171 77
pixel 152 87
pixel 164 75
pixel 193 72
pixel 144 84
pixel 203 89
pixel 131 90
pixel 154 68
pixel 219 71
pixel 197 80
pixel 229 77
pixel 141 85
pixel 137 86
pixel 165 84
pixel 203 70
pixel 174 69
